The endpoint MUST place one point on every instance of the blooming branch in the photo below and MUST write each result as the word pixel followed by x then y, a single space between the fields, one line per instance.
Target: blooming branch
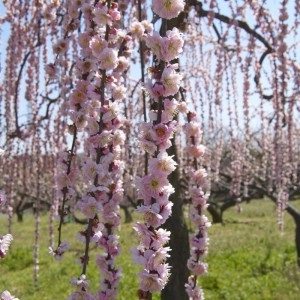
pixel 197 185
pixel 155 136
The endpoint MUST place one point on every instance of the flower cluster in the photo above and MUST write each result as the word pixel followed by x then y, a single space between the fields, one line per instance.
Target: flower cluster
pixel 59 251
pixel 165 48
pixel 6 295
pixel 95 109
pixel 197 186
pixel 154 189
pixel 67 171
pixel 2 198
pixel 167 9
pixel 5 242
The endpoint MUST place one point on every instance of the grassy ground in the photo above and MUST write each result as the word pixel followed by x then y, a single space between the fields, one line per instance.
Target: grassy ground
pixel 248 259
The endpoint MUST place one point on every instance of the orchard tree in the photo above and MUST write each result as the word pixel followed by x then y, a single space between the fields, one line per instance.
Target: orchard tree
pixel 116 100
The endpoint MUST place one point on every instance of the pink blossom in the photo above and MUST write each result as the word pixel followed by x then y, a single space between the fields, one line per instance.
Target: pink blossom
pixel 115 14
pixel 84 40
pixel 2 198
pixel 157 257
pixel 162 133
pixel 166 211
pixel 152 216
pixel 151 185
pixel 147 25
pixel 151 281
pixel 198 268
pixel 110 112
pixel 148 146
pixel 77 99
pixel 200 242
pixel 196 151
pixel 170 109
pixel 90 169
pixel 81 282
pixel 171 81
pixel 85 66
pixel 108 294
pixel 137 29
pixel 5 242
pixel 163 163
pixel 111 218
pixel 199 220
pixel 96 233
pixel 97 45
pixel 161 237
pixel 101 16
pixel 182 107
pixel 199 176
pixel 61 46
pixel 51 70
pixel 146 236
pixel 157 90
pixel 137 255
pixel 193 129
pixel 80 120
pixel 119 92
pixel 73 11
pixel 108 59
pixel 123 64
pixel 61 249
pixel 171 45
pixel 168 9
pixel 81 295
pixel 119 137
pixel 89 206
pixel 154 42
pixel 87 11
pixel 7 296
pixel 157 240
pixel 193 291
pixel 101 140
pixel 164 194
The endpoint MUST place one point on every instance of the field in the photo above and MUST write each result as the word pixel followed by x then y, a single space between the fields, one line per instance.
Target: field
pixel 248 259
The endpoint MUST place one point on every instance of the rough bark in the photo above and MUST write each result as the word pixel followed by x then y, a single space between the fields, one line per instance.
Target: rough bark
pixel 20 216
pixel 216 213
pixel 179 241
pixel 128 216
pixel 296 216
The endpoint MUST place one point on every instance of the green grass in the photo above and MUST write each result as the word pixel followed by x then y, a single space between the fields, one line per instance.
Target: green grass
pixel 248 259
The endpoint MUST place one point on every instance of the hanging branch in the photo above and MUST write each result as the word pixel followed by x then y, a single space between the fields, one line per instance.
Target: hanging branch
pixel 241 24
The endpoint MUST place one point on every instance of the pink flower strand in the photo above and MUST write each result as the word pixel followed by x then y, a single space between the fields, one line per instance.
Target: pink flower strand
pixel 155 136
pixel 6 295
pixel 197 185
pixel 94 107
pixel 5 242
pixel 168 9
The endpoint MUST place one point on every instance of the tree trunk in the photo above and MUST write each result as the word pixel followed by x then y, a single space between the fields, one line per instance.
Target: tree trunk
pixel 128 216
pixel 179 241
pixel 19 216
pixel 216 214
pixel 296 216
